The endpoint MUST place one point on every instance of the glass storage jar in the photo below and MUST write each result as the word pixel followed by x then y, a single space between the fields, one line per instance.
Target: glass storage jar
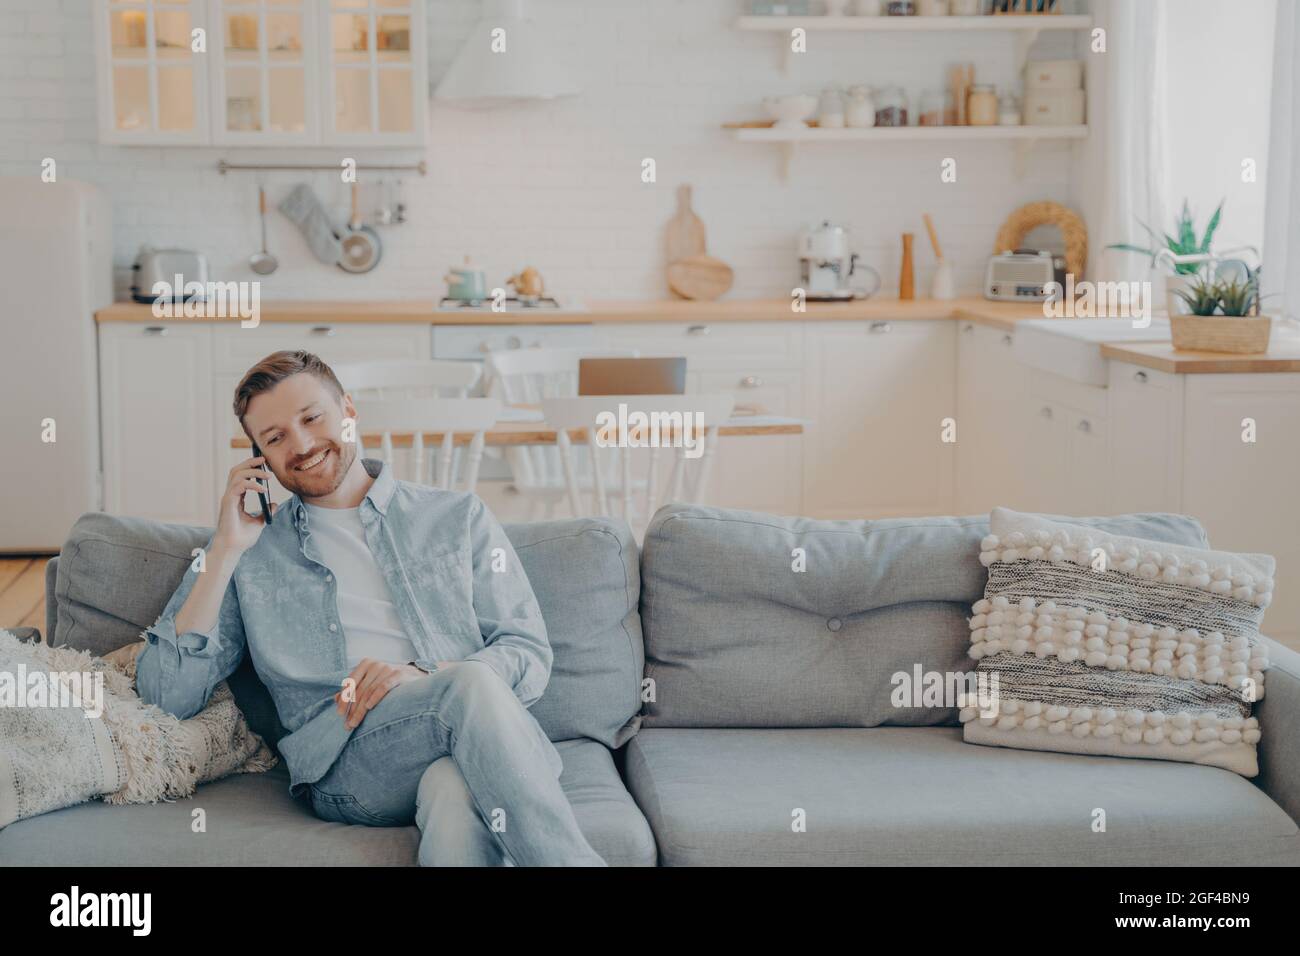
pixel 982 106
pixel 891 107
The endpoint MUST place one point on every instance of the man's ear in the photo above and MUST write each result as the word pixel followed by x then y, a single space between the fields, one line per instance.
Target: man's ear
pixel 349 410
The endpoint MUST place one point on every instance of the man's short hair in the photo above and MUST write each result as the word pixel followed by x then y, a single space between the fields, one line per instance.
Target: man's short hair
pixel 273 370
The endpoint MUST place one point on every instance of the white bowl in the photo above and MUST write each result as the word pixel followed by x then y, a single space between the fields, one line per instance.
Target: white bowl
pixel 790 111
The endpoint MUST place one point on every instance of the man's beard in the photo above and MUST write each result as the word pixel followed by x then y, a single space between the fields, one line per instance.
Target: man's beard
pixel 326 476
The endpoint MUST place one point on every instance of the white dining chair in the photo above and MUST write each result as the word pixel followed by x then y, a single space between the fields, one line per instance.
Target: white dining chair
pixel 526 377
pixel 447 468
pixel 407 378
pixel 413 379
pixel 584 414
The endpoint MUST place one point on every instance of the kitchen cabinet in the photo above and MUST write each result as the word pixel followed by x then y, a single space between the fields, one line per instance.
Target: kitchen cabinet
pixel 1067 461
pixel 272 73
pixel 156 399
pixel 1146 413
pixel 265 83
pixel 757 473
pixel 1243 491
pixel 1181 443
pixel 877 394
pixel 152 86
pixel 372 55
pixel 992 400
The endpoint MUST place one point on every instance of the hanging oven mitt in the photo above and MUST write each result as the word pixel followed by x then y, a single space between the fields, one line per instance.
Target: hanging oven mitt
pixel 303 209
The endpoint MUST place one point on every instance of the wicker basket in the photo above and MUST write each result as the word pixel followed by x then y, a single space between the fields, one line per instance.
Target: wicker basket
pixel 1221 333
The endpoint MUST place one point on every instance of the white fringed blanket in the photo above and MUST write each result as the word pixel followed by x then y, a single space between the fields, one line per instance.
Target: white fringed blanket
pixel 52 754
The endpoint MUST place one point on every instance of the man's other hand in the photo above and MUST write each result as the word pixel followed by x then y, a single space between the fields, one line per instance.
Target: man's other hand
pixel 372 680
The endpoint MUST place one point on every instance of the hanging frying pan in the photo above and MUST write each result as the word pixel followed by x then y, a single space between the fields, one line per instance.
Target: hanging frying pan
pixel 361 248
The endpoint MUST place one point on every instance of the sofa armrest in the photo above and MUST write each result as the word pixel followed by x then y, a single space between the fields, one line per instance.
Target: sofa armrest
pixel 31 635
pixel 1279 724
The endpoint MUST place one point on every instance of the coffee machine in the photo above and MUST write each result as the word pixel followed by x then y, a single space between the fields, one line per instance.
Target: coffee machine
pixel 826 265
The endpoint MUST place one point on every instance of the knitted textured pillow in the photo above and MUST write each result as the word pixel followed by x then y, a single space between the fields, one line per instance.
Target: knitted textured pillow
pixel 1095 643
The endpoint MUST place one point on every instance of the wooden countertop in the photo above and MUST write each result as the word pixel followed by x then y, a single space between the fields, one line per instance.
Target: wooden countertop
pixel 1283 357
pixel 1002 314
pixel 1163 357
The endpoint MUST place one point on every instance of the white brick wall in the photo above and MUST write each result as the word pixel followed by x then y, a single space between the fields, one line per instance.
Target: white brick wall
pixel 558 186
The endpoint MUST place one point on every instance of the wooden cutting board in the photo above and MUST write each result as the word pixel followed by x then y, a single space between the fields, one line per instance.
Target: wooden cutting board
pixel 700 277
pixel 685 230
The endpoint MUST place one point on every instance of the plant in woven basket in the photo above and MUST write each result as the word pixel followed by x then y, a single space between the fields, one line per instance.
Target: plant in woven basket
pixel 1184 242
pixel 1202 296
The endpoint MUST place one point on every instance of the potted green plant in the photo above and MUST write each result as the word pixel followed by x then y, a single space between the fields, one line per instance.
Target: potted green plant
pixel 1224 316
pixel 1182 243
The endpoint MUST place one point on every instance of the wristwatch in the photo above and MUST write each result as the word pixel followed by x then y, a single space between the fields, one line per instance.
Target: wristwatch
pixel 427 666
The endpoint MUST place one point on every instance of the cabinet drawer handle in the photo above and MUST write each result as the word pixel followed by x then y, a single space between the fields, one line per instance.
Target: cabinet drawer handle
pixel 324 330
pixel 1046 411
pixel 155 330
pixel 969 327
pixel 751 381
pixel 698 330
pixel 1139 376
pixel 880 326
pixel 1085 425
pixel 1007 340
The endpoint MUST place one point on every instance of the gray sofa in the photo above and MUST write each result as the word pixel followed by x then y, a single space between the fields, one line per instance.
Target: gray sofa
pixel 706 697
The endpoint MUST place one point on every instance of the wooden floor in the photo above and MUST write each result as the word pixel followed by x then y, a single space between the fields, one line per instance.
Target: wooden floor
pixel 22 592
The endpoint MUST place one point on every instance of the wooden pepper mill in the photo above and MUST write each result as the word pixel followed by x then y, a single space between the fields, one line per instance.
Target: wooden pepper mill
pixel 906 278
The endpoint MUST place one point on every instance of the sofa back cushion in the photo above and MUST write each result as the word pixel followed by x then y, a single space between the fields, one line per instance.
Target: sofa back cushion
pixel 115 575
pixel 753 620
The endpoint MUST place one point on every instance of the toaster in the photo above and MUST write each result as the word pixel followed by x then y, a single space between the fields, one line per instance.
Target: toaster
pixel 164 265
pixel 1020 276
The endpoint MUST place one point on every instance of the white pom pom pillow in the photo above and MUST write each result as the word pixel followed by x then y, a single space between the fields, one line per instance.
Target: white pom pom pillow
pixel 1096 643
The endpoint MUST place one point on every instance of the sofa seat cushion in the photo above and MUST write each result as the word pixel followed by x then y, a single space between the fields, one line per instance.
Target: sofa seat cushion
pixel 920 796
pixel 252 821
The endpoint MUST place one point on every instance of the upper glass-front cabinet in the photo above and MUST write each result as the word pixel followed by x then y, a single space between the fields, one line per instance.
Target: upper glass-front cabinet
pixel 152 86
pixel 272 72
pixel 375 87
pixel 264 90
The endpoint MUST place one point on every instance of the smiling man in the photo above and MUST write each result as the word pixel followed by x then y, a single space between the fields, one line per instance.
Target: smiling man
pixel 401 651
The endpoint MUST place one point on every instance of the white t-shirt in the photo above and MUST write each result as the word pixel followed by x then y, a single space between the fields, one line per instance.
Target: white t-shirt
pixel 371 627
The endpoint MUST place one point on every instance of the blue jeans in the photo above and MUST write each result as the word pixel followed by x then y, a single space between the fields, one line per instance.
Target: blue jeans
pixel 458 755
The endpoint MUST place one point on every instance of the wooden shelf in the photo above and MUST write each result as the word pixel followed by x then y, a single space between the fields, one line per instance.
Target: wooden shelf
pixel 914 24
pixel 1024 27
pixel 791 139
pixel 885 134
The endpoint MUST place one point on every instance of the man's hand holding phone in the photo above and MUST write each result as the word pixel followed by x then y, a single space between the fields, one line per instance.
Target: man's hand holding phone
pixel 237 530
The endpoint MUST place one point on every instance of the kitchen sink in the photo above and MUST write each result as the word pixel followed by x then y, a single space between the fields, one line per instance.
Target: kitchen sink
pixel 1071 347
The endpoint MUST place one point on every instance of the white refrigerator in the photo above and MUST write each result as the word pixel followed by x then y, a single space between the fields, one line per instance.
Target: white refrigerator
pixel 56 269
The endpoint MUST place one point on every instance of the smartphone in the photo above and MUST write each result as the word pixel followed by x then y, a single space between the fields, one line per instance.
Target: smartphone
pixel 261 495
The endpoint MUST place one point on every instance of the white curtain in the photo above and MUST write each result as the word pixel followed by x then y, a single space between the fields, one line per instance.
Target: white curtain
pixel 1123 161
pixel 1281 277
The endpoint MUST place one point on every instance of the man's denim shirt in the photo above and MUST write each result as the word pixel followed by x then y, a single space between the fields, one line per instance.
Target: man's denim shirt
pixel 436 549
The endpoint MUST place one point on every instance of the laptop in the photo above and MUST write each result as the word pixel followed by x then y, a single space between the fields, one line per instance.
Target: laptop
pixel 632 376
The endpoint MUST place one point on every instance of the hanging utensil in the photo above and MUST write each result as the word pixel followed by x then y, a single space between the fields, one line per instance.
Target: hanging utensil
pixel 384 211
pixel 361 248
pixel 263 263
